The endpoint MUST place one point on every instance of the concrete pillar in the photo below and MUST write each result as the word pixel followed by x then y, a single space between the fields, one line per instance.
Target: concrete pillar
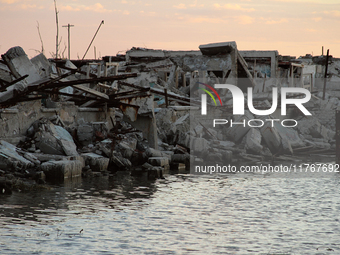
pixel 184 82
pixel 176 78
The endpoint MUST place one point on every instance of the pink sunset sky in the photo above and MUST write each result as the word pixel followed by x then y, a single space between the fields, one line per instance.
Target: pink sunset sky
pixel 293 27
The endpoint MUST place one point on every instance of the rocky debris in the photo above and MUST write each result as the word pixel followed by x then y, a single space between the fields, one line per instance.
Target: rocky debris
pixel 154 123
pixel 96 162
pixel 158 161
pixel 85 134
pixel 313 127
pixel 253 141
pixel 11 159
pixel 59 171
pixel 118 162
pixel 51 139
pixel 237 132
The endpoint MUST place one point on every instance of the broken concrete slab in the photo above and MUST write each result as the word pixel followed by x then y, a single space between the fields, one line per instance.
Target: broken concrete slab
pixel 31 157
pixel 156 173
pixel 221 48
pixel 85 134
pixel 20 65
pixel 42 157
pixel 238 131
pixel 318 144
pixel 225 144
pixel 106 147
pixel 130 142
pixel 312 126
pixel 59 171
pixel 158 161
pixel 9 157
pixel 96 162
pixel 182 124
pixel 144 54
pixel 65 140
pixel 199 144
pixel 162 65
pixel 53 139
pixel 69 64
pixel 165 118
pixel 42 65
pixel 12 91
pixel 183 139
pixel 253 141
pixel 118 162
pixel 126 151
pixel 5 73
pixel 48 144
pixel 290 135
pixel 271 137
pixel 150 152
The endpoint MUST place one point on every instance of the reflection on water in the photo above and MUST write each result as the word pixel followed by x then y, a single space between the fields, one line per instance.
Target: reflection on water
pixel 180 214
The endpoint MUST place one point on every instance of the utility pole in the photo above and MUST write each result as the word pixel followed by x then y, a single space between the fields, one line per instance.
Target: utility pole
pixel 325 79
pixel 69 39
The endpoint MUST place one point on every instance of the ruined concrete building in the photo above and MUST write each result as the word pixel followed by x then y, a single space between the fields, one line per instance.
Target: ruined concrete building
pixel 138 111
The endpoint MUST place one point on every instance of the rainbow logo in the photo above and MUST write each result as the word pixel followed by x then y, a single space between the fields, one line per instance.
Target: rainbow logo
pixel 209 93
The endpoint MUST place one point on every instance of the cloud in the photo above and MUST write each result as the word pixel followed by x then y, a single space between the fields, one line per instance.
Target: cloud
pixel 271 21
pixel 97 7
pixel 245 20
pixel 19 4
pixel 334 13
pixel 311 30
pixel 69 8
pixel 317 19
pixel 194 4
pixel 30 6
pixel 130 2
pixel 180 6
pixel 205 19
pixel 234 7
pixel 9 1
pixel 150 14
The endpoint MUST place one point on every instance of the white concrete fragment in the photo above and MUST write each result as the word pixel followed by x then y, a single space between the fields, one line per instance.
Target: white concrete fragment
pixel 8 155
pixel 95 161
pixel 20 64
pixel 226 144
pixel 199 144
pixel 238 131
pixel 271 137
pixel 65 140
pixel 289 134
pixel 58 171
pixel 158 161
pixel 253 141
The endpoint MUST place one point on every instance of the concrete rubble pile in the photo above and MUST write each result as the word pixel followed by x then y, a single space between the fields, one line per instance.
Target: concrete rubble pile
pixel 62 119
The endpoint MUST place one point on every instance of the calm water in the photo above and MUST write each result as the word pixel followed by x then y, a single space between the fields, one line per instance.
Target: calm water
pixel 180 214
